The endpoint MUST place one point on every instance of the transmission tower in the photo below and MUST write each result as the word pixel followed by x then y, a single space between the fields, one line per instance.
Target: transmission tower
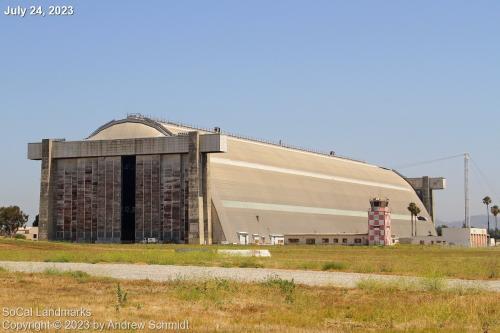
pixel 466 189
pixel 466 157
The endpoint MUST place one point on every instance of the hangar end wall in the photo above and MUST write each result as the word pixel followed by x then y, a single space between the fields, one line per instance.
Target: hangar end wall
pixel 85 189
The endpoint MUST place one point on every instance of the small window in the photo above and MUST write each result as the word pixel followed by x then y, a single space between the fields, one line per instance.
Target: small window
pixel 34 236
pixel 357 240
pixel 310 241
pixel 325 241
pixel 293 240
pixel 335 240
pixel 344 240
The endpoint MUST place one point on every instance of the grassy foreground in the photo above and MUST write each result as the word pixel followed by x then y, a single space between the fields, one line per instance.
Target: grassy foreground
pixel 272 306
pixel 483 263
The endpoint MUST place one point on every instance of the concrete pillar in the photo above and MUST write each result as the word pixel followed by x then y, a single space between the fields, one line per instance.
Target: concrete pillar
pixel 195 202
pixel 207 198
pixel 45 226
pixel 427 196
pixel 201 220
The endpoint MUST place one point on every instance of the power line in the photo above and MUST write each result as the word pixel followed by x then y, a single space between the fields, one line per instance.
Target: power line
pixel 405 166
pixel 484 180
pixel 484 186
pixel 466 158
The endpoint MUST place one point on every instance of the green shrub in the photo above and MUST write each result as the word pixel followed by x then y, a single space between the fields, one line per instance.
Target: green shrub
pixel 434 283
pixel 250 263
pixel 373 284
pixel 333 266
pixel 386 268
pixel 493 267
pixel 79 276
pixel 58 259
pixel 19 236
pixel 287 287
pixel 121 297
pixel 53 272
pixel 222 284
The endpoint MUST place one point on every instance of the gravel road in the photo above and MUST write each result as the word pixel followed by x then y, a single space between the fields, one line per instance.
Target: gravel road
pixel 167 273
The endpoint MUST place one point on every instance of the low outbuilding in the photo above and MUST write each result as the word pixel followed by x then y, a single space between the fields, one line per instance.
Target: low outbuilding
pixel 327 239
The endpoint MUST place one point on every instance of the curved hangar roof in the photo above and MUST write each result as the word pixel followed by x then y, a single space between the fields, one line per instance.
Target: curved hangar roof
pixel 262 188
pixel 129 128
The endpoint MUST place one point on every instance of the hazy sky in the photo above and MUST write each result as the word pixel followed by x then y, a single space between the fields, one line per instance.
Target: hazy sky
pixel 389 82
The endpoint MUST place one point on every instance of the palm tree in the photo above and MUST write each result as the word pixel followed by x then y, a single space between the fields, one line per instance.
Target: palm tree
pixel 414 211
pixel 487 202
pixel 495 210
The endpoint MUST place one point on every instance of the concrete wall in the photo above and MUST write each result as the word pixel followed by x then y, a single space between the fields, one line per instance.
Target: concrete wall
pixel 80 193
pixel 423 240
pixel 208 143
pixel 425 187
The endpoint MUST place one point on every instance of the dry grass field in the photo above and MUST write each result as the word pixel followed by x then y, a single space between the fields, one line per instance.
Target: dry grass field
pixel 424 261
pixel 272 306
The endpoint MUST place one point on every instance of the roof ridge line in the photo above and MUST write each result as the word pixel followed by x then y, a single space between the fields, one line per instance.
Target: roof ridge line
pixel 244 137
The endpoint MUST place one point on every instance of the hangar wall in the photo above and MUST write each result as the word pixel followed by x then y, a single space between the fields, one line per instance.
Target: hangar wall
pixel 161 198
pixel 262 188
pixel 265 189
pixel 87 199
pixel 181 192
pixel 126 189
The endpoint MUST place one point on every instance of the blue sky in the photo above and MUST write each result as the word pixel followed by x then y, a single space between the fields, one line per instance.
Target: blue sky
pixel 389 82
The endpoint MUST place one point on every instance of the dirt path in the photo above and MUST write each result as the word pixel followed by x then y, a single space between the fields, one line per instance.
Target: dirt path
pixel 168 273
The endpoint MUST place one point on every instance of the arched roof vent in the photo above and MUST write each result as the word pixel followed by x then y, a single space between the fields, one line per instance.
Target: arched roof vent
pixel 135 118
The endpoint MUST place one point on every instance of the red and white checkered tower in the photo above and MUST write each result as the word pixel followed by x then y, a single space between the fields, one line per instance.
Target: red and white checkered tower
pixel 379 222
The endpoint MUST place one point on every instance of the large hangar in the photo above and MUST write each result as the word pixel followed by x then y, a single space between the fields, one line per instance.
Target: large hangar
pixel 139 178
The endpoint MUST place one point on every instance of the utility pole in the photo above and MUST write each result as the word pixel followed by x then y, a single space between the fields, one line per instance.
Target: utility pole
pixel 466 189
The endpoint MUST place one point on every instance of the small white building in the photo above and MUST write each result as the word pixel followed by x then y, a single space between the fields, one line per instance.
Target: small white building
pixel 258 239
pixel 469 237
pixel 277 239
pixel 242 238
pixel 31 233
